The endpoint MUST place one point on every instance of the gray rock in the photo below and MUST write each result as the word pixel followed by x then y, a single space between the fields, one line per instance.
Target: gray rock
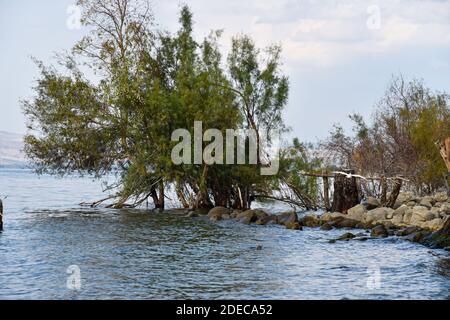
pixel 287 217
pixel 217 212
pixel 440 197
pixel 426 202
pixel 372 203
pixel 379 231
pixel 420 214
pixel 358 212
pixel 378 214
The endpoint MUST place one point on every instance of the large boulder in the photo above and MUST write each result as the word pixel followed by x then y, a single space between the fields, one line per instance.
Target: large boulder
pixel 433 225
pixel 420 214
pixel 342 222
pixel 440 197
pixel 248 216
pixel 379 231
pixel 378 214
pixel 293 226
pixel 269 219
pixel 311 221
pixel 397 215
pixel 440 238
pixel 403 198
pixel 358 212
pixel 329 216
pixel 287 218
pixel 216 213
pixel 427 202
pixel 372 203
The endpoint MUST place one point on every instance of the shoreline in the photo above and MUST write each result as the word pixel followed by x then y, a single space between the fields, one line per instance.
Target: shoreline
pixel 416 219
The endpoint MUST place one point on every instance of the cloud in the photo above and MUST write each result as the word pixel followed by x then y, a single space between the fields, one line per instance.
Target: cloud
pixel 328 32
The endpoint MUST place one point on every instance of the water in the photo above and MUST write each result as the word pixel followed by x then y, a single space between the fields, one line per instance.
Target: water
pixel 133 254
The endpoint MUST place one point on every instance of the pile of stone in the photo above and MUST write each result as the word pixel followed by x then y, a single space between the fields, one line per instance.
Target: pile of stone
pixel 413 218
pixel 259 217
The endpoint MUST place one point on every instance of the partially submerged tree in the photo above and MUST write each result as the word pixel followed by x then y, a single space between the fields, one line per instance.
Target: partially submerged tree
pixel 148 84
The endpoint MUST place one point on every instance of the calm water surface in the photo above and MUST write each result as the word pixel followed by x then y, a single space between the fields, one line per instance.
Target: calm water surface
pixel 134 254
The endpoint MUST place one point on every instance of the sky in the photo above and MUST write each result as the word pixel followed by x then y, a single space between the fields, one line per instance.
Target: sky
pixel 339 54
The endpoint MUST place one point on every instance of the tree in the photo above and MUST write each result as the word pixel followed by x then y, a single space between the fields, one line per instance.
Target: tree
pixel 149 83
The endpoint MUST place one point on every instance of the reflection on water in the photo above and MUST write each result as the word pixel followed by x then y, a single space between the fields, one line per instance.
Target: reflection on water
pixel 135 254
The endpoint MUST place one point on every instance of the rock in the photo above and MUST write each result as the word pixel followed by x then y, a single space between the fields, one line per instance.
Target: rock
pixel 247 216
pixel 445 208
pixel 372 203
pixel 387 224
pixel 411 203
pixel 379 231
pixel 293 226
pixel 269 219
pixel 433 225
pixel 407 231
pixel 440 238
pixel 378 214
pixel 358 212
pixel 192 214
pixel 259 247
pixel 408 215
pixel 217 212
pixel 426 202
pixel 331 216
pixel 346 236
pixel 309 221
pixel 397 215
pixel 215 218
pixel 344 223
pixel 226 216
pixel 326 226
pixel 361 238
pixel 250 216
pixel 364 225
pixel 440 197
pixel 287 217
pixel 420 214
pixel 403 198
pixel 417 236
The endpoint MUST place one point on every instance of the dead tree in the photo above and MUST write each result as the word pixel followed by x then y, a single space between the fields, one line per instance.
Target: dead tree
pixel 397 185
pixel 444 148
pixel 346 193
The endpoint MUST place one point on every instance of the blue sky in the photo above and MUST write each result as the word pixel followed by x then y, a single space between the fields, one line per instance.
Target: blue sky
pixel 339 54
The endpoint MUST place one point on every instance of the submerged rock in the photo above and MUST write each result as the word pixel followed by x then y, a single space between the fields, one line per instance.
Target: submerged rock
pixel 311 221
pixel 379 231
pixel 287 217
pixel 216 213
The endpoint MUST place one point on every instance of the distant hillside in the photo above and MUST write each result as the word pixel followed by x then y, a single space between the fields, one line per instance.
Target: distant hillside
pixel 11 146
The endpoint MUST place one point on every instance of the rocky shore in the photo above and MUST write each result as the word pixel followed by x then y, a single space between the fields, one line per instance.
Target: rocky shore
pixel 423 220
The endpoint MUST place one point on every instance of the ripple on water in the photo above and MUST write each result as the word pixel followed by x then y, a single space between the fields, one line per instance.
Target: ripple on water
pixel 133 254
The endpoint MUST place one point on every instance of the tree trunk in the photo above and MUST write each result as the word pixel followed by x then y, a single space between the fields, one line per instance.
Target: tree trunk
pixel 383 190
pixel 394 194
pixel 345 193
pixel 161 195
pixel 326 196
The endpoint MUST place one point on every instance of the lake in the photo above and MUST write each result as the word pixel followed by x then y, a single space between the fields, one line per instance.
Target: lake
pixel 138 254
